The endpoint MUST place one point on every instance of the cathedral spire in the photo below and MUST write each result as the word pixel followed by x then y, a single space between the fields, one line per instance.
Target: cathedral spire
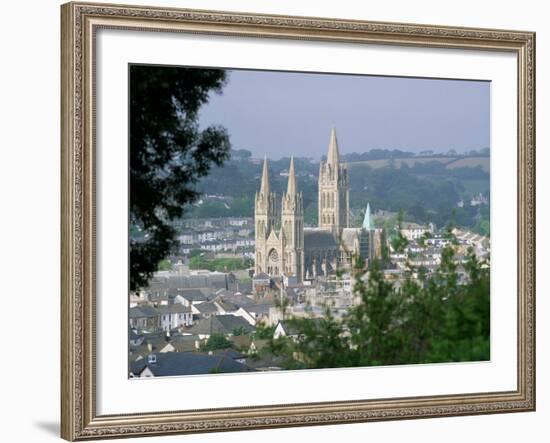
pixel 264 188
pixel 291 188
pixel 333 157
pixel 368 223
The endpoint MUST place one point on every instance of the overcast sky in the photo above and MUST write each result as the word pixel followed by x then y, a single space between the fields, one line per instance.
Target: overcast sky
pixel 284 113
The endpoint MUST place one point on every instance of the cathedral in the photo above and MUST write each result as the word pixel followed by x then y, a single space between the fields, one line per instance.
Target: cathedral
pixel 285 246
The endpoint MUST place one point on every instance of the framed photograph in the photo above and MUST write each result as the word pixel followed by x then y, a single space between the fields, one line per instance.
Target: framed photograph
pixel 277 221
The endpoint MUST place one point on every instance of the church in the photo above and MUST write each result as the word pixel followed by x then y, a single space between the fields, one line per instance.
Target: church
pixel 284 246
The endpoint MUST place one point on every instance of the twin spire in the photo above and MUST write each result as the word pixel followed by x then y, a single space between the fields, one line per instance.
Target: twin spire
pixel 333 159
pixel 264 188
pixel 291 186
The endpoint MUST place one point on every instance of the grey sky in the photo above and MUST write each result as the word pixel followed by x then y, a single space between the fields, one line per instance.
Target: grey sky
pixel 284 113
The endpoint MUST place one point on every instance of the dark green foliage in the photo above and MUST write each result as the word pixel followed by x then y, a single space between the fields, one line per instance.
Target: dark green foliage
pixel 263 332
pixel 239 331
pixel 425 320
pixel 399 242
pixel 168 155
pixel 320 344
pixel 216 341
pixel 427 192
pixel 195 253
pixel 164 265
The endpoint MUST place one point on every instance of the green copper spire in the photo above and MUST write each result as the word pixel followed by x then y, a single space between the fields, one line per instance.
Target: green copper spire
pixel 368 223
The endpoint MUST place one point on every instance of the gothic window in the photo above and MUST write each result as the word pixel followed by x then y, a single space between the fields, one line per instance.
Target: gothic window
pixel 273 256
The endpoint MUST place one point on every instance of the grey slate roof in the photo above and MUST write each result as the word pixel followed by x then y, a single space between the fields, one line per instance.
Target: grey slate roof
pixel 227 306
pixel 212 280
pixel 190 294
pixel 318 239
pixel 238 300
pixel 206 308
pixel 223 324
pixel 176 308
pixel 188 363
pixel 143 311
pixel 262 308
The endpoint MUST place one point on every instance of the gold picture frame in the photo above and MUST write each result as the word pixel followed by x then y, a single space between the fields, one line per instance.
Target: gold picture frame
pixel 79 22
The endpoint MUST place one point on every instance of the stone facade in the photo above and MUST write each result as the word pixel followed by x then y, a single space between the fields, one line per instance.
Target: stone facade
pixel 284 246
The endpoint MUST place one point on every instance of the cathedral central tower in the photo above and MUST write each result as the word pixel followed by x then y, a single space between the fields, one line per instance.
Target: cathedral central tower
pixel 333 191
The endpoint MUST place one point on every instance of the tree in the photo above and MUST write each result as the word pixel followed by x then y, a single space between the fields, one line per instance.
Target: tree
pixel 216 341
pixel 238 331
pixel 399 243
pixel 425 319
pixel 168 155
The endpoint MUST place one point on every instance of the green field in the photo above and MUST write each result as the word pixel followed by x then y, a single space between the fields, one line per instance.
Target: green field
pixel 219 264
pixel 470 162
pixel 451 162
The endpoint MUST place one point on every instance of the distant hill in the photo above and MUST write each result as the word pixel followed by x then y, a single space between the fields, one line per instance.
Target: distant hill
pixel 470 162
pixel 450 162
pixel 431 188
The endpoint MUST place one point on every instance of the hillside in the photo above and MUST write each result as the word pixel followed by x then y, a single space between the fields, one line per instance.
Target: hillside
pixel 449 162
pixel 427 188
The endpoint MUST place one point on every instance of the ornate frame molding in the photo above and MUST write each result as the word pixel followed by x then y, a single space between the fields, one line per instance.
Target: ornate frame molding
pixel 79 420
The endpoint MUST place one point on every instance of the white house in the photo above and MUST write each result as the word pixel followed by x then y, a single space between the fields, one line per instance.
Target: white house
pixel 174 316
pixel 187 238
pixel 413 231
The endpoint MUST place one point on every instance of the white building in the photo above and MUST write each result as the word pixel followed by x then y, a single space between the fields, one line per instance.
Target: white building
pixel 174 316
pixel 413 231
